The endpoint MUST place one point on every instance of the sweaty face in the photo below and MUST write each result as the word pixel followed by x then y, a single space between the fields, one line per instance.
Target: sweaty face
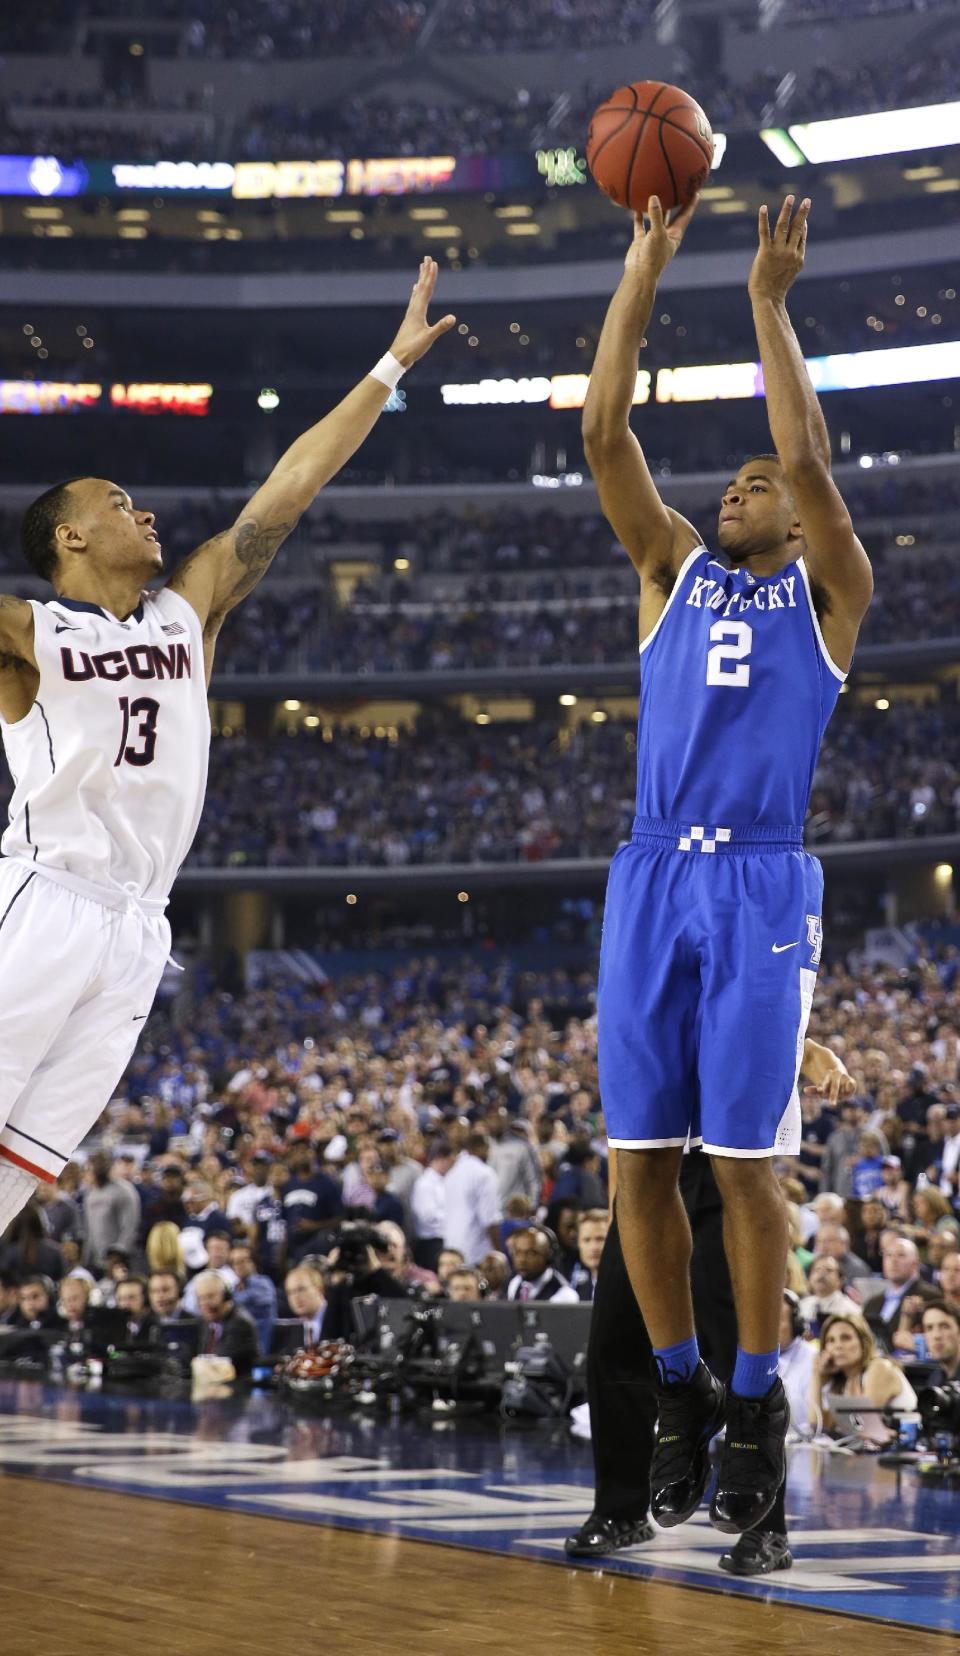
pixel 756 513
pixel 113 533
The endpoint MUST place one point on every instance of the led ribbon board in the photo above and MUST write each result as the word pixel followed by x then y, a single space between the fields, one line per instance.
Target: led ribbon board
pixel 721 381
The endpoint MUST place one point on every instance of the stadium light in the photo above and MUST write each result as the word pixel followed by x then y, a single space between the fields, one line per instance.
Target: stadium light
pixel 889 132
pixel 782 146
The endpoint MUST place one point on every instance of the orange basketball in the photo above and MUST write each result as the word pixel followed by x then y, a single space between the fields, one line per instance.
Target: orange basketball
pixel 650 139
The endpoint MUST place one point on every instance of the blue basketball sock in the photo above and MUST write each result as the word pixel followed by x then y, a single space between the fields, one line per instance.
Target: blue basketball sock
pixel 677 1364
pixel 755 1372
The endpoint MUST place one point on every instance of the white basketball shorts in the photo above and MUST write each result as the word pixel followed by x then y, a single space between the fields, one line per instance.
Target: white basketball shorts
pixel 77 980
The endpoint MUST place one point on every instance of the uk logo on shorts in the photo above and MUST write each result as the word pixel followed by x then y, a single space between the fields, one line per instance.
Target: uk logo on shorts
pixel 815 937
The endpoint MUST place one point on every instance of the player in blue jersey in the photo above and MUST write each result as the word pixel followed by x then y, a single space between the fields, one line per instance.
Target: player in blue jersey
pixel 712 928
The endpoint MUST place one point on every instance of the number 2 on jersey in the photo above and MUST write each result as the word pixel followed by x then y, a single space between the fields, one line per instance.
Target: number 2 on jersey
pixel 732 641
pixel 146 710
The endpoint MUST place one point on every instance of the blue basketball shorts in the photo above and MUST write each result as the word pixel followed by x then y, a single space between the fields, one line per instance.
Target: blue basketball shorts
pixel 711 943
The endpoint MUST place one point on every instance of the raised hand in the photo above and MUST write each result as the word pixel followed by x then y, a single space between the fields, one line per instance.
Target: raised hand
pixel 655 244
pixel 415 334
pixel 780 254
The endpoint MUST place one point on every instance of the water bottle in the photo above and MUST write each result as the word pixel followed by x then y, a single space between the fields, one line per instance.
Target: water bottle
pixel 920 1347
pixel 58 1364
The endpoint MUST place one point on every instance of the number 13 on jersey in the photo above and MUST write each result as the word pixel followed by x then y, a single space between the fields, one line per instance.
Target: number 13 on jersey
pixel 144 710
pixel 732 642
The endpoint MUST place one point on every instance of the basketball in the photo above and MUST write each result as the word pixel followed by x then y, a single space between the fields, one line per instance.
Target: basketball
pixel 650 138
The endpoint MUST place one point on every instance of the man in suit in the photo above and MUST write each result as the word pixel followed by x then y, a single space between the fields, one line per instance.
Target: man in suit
pixel 228 1331
pixel 535 1278
pixel 884 1313
pixel 592 1228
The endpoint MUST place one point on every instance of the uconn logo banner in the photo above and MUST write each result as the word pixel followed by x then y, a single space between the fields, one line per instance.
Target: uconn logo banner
pixel 139 661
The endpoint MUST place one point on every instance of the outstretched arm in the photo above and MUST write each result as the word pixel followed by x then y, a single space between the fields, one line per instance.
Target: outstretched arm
pixel 651 532
pixel 223 570
pixel 837 564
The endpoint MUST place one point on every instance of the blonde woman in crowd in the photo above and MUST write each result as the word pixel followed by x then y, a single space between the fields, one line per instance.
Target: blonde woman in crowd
pixel 848 1370
pixel 164 1252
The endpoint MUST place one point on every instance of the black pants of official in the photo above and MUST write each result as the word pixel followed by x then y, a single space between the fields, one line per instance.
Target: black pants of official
pixel 621 1382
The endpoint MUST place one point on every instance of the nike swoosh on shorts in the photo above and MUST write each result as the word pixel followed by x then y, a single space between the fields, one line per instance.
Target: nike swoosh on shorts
pixel 778 948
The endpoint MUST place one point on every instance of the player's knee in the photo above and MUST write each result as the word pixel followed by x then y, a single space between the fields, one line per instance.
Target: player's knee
pixel 643 1174
pixel 746 1179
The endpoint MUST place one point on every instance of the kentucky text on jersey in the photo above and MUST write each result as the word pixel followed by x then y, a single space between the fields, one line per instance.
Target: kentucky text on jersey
pixel 773 595
pixel 139 661
pixel 736 689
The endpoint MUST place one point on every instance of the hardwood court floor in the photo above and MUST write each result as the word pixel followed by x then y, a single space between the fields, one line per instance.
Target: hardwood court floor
pixel 87 1573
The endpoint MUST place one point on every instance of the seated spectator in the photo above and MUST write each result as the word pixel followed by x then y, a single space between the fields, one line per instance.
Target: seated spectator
pixel 463 1285
pixel 948 1278
pixel 399 1263
pixel 834 1241
pixel 218 1260
pixel 932 1215
pixel 796 1361
pixel 385 1208
pixel 164 1251
pixel 894 1193
pixel 867 1175
pixel 450 1260
pixel 826 1297
pixel 592 1228
pixel 307 1301
pixel 163 1292
pixel 203 1214
pixel 74 1303
pixel 132 1300
pixel 847 1367
pixel 495 1270
pixel 117 1270
pixel 9 1296
pixel 27 1250
pixel 887 1316
pixel 229 1332
pixel 940 1326
pixel 253 1292
pixel 578 1177
pixel 563 1219
pixel 874 1220
pixel 535 1278
pixel 36 1309
pixel 517 1212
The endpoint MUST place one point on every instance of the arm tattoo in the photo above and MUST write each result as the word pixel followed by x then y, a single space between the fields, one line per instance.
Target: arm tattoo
pixel 255 547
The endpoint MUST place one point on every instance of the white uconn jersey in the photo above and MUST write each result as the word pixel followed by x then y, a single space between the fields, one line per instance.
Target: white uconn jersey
pixel 110 764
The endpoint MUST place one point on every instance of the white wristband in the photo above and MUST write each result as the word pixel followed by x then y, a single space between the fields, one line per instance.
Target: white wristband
pixel 388 371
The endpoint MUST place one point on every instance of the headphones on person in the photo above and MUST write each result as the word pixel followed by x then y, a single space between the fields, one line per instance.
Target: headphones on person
pixel 549 1236
pixel 797 1325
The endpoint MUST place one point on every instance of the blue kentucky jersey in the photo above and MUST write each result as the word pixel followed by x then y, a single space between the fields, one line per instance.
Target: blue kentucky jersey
pixel 736 689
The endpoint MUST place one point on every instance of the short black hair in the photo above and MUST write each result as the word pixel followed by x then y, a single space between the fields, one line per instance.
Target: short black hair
pixel 38 526
pixel 774 457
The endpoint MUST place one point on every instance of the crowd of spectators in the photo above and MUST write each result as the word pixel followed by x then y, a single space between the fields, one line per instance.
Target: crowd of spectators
pixel 451 1107
pixel 570 621
pixel 369 124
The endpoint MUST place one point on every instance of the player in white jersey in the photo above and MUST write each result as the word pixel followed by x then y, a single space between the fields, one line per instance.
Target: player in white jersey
pixel 103 712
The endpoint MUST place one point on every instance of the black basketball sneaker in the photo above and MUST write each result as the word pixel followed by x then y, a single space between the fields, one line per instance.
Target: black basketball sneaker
pixel 691 1414
pixel 753 1460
